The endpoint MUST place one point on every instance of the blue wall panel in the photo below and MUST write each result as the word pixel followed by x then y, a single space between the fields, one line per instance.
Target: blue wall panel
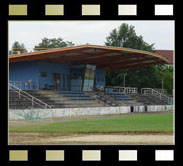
pixel 25 71
pixel 100 77
pixel 50 68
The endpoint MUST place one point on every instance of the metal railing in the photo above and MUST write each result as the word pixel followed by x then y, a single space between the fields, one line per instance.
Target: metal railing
pixel 163 91
pixel 163 97
pixel 25 85
pixel 129 90
pixel 33 99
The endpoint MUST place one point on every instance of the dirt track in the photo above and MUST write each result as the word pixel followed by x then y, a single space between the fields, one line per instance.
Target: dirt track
pixel 99 139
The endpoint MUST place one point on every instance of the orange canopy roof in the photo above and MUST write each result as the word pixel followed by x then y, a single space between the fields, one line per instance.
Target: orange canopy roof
pixel 105 57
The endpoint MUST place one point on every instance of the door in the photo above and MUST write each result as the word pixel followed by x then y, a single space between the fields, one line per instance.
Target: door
pixel 63 81
pixel 56 81
pixel 68 82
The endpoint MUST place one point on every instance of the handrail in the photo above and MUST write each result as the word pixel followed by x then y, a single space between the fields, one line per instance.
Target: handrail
pixel 162 91
pixel 25 85
pixel 152 91
pixel 132 90
pixel 30 97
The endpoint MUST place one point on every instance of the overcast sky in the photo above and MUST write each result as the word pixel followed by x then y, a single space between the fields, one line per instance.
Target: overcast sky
pixel 93 32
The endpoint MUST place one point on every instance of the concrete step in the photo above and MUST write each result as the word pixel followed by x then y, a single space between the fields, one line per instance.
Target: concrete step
pixel 47 95
pixel 77 106
pixel 23 107
pixel 52 98
pixel 17 99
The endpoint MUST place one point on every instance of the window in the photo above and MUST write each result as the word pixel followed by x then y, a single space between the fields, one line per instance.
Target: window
pixel 43 74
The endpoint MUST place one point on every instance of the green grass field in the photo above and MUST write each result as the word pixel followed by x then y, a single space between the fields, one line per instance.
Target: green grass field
pixel 145 123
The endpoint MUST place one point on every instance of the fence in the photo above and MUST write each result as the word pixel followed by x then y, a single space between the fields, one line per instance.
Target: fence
pixel 129 90
pixel 150 91
pixel 25 85
pixel 34 101
pixel 163 91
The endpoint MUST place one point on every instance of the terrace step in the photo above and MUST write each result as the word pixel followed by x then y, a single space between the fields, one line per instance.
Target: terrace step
pixel 148 99
pixel 54 99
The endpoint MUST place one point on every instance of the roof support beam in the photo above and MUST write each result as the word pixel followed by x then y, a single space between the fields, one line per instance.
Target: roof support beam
pixel 43 55
pixel 109 60
pixel 86 55
pixel 135 66
pixel 127 62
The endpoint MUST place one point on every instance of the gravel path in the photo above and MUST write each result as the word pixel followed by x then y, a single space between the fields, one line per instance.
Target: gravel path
pixel 99 139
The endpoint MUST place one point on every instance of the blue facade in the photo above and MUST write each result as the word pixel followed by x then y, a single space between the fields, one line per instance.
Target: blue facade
pixel 50 68
pixel 100 77
pixel 40 75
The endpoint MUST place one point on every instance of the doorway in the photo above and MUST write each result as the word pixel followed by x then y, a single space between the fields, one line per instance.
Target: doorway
pixel 131 109
pixel 56 81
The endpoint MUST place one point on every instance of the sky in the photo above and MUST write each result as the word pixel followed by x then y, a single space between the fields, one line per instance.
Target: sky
pixel 93 32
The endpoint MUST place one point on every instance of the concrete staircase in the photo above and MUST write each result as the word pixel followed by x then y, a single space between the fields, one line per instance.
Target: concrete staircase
pixel 16 102
pixel 56 100
pixel 147 99
pixel 110 101
pixel 101 97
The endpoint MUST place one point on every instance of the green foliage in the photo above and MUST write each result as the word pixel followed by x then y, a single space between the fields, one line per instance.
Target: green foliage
pixel 17 47
pixel 138 123
pixel 125 36
pixel 140 77
pixel 168 81
pixel 166 74
pixel 52 43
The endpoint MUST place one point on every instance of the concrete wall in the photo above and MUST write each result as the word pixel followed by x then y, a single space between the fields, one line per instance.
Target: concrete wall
pixel 90 111
pixel 153 108
pixel 158 108
pixel 41 113
pixel 29 114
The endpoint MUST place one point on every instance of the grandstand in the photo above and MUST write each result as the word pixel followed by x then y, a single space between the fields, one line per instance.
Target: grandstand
pixel 74 77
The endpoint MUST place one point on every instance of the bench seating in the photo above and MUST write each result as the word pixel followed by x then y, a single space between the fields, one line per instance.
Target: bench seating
pixel 119 96
pixel 70 92
pixel 74 95
pixel 115 93
pixel 82 98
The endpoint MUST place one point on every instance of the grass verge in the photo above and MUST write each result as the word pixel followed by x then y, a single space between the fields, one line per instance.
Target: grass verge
pixel 150 123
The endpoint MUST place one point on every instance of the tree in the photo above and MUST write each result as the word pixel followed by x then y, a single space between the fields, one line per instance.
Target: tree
pixel 52 43
pixel 166 74
pixel 168 81
pixel 125 36
pixel 18 48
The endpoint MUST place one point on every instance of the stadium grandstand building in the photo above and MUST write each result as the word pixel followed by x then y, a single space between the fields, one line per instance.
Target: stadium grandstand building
pixel 75 77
